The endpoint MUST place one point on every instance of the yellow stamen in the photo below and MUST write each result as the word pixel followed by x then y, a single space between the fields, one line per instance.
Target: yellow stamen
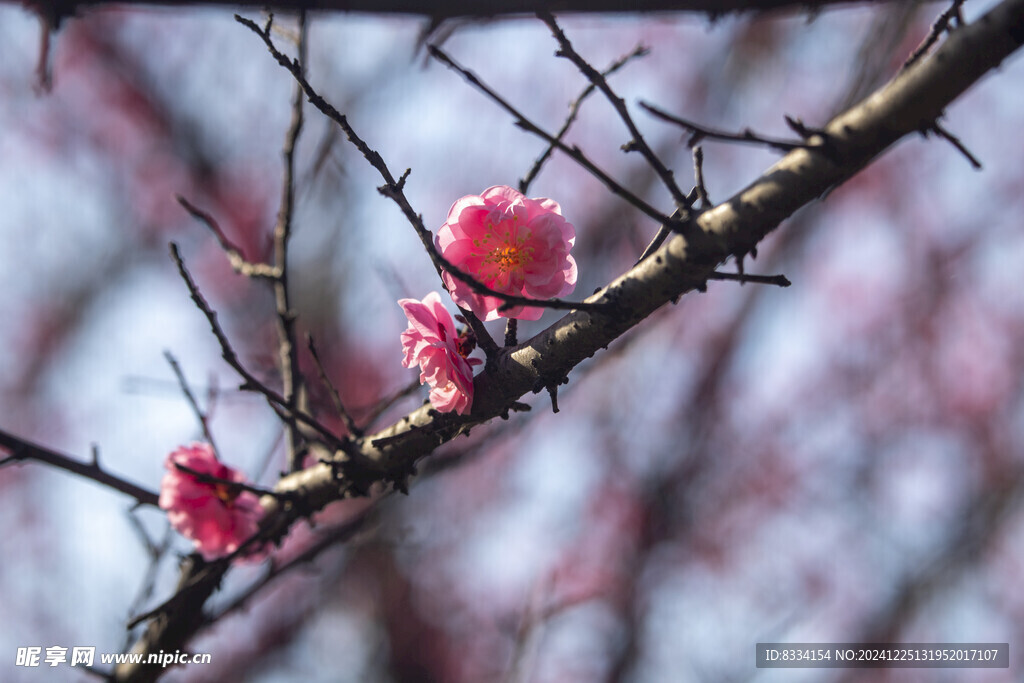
pixel 225 493
pixel 511 254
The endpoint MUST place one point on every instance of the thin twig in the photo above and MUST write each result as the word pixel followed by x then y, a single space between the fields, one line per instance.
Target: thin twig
pixel 44 63
pixel 574 110
pixel 938 28
pixel 955 141
pixel 251 383
pixel 198 580
pixel 339 407
pixel 233 486
pixel 19 450
pixel 573 152
pixel 341 533
pixel 212 395
pixel 777 280
pixel 378 409
pixel 190 397
pixel 703 132
pixel 156 553
pixel 659 238
pixel 698 171
pixel 291 378
pixel 260 471
pixel 566 50
pixel 235 258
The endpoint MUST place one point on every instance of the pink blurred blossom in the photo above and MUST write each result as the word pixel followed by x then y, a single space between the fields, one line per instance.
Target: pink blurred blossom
pixel 512 244
pixel 215 516
pixel 431 341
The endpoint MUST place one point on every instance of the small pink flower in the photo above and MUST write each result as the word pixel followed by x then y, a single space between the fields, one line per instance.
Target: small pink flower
pixel 217 517
pixel 510 243
pixel 431 341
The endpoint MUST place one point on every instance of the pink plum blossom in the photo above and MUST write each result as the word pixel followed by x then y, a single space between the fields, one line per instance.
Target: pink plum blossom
pixel 431 341
pixel 217 518
pixel 511 244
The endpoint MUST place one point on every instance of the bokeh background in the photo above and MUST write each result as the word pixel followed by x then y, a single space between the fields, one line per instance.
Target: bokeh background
pixel 839 461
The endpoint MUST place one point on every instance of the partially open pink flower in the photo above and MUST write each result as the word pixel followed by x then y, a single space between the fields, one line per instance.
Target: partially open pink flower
pixel 217 517
pixel 512 244
pixel 431 341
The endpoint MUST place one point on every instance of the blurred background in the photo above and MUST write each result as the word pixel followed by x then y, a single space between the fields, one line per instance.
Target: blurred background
pixel 839 461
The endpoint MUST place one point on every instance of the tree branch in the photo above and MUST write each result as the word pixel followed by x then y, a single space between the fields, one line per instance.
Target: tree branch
pixel 572 152
pixel 574 109
pixel 918 94
pixel 251 383
pixel 20 450
pixel 638 143
pixel 201 416
pixel 288 352
pixel 915 98
pixel 701 132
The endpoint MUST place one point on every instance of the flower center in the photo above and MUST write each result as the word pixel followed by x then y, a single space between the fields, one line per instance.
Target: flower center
pixel 508 257
pixel 226 494
pixel 508 253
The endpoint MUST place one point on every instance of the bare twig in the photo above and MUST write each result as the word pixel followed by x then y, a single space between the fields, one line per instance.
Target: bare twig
pixel 703 132
pixel 531 622
pixel 483 337
pixel 777 280
pixel 941 25
pixel 233 486
pixel 204 422
pixel 378 409
pixel 339 407
pixel 664 230
pixel 291 379
pixel 698 172
pixel 260 471
pixel 326 539
pixel 235 258
pixel 251 383
pixel 573 152
pixel 156 552
pixel 574 109
pixel 44 63
pixel 196 584
pixel 937 129
pixel 565 49
pixel 20 450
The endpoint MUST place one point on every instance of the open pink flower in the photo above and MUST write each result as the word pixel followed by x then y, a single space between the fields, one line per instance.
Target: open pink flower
pixel 217 517
pixel 431 341
pixel 510 243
